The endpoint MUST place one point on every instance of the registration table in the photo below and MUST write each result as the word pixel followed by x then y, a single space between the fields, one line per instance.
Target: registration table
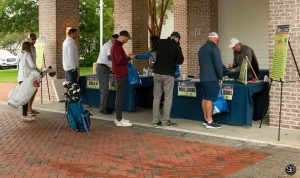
pixel 140 95
pixel 248 102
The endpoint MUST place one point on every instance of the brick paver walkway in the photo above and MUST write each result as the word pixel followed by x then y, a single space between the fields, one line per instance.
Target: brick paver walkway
pixel 29 150
pixel 4 90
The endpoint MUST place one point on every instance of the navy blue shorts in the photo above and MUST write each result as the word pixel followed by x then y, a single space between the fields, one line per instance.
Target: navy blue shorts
pixel 210 90
pixel 71 76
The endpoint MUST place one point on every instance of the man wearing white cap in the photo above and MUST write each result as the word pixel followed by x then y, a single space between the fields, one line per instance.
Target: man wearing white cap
pixel 211 74
pixel 240 52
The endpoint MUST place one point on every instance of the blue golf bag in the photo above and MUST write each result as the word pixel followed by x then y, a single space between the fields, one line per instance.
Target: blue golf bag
pixel 78 118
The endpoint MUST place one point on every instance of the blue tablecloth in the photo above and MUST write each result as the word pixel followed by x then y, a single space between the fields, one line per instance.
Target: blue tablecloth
pixel 241 107
pixel 134 94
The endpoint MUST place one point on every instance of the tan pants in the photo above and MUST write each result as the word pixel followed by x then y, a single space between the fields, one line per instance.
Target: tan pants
pixel 162 84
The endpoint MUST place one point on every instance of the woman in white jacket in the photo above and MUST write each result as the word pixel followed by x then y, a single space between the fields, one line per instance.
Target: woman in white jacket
pixel 25 66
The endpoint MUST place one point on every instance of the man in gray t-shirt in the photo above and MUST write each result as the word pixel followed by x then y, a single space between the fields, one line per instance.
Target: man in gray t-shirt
pixel 240 51
pixel 104 65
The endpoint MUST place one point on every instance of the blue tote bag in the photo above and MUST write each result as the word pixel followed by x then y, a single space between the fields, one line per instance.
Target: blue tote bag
pixel 220 105
pixel 133 76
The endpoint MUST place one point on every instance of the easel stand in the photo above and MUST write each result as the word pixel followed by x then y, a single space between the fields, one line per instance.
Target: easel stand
pixel 281 88
pixel 244 71
pixel 268 100
pixel 41 81
pixel 62 120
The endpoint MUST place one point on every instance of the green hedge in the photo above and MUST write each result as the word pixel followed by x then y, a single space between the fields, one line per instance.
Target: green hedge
pixel 88 60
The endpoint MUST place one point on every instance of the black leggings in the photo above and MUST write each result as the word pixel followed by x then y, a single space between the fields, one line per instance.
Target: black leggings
pixel 24 107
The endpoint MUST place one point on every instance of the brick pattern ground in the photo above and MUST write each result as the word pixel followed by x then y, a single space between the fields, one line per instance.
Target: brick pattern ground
pixel 29 150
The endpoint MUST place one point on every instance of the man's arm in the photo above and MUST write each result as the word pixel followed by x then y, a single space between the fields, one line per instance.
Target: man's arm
pixel 143 56
pixel 235 60
pixel 73 61
pixel 108 52
pixel 30 61
pixel 179 55
pixel 249 53
pixel 218 63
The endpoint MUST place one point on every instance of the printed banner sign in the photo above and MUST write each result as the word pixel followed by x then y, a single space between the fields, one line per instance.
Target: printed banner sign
pixel 243 72
pixel 39 48
pixel 227 91
pixel 112 84
pixel 280 53
pixel 187 88
pixel 92 83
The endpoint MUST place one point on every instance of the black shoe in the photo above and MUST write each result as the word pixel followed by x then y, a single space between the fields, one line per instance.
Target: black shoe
pixel 158 124
pixel 104 111
pixel 213 125
pixel 110 111
pixel 107 111
pixel 170 123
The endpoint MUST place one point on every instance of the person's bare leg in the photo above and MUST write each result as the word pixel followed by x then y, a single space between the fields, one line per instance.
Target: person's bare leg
pixel 204 109
pixel 31 102
pixel 208 108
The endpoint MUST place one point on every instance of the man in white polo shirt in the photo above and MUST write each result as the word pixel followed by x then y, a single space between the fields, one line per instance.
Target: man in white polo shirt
pixel 103 69
pixel 70 56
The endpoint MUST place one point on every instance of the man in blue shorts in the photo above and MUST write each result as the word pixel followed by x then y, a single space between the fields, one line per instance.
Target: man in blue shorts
pixel 211 74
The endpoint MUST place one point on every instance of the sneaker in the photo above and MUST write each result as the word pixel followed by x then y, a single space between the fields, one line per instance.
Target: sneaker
pixel 28 118
pixel 124 120
pixel 158 124
pixel 30 114
pixel 213 125
pixel 204 123
pixel 33 112
pixel 106 111
pixel 123 123
pixel 110 111
pixel 170 123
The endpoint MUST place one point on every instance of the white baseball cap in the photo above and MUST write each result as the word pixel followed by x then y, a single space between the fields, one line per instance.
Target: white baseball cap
pixel 213 35
pixel 233 42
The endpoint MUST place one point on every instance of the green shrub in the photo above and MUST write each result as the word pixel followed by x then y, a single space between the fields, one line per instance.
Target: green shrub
pixel 88 60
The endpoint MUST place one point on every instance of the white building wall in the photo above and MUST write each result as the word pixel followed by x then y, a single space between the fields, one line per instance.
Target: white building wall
pixel 248 21
pixel 168 26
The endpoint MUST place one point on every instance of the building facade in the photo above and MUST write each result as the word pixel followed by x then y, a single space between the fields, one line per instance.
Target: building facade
pixel 253 22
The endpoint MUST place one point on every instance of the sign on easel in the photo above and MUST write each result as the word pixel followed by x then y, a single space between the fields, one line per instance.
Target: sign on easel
pixel 39 48
pixel 279 62
pixel 243 72
pixel 280 53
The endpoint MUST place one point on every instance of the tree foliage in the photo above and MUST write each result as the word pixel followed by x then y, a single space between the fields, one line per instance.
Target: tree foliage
pixel 157 13
pixel 90 28
pixel 17 18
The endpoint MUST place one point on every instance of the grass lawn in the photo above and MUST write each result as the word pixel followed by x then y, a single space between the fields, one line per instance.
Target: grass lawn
pixel 10 75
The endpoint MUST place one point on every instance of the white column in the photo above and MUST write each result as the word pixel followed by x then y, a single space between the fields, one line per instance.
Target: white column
pixel 101 23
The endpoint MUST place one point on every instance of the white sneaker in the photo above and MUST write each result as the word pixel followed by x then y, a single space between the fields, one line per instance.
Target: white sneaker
pixel 123 123
pixel 28 118
pixel 124 120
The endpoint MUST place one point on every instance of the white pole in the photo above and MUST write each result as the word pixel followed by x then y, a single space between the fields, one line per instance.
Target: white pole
pixel 101 23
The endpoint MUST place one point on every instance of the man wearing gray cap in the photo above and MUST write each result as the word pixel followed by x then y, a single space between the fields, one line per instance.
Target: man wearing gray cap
pixel 240 51
pixel 168 54
pixel 211 74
